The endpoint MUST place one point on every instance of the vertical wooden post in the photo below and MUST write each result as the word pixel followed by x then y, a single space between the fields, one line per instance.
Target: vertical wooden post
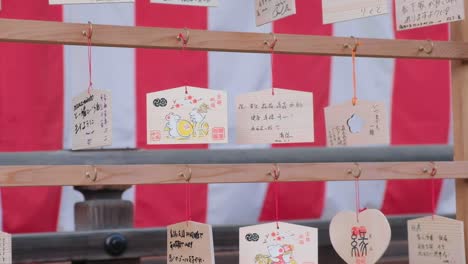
pixel 459 32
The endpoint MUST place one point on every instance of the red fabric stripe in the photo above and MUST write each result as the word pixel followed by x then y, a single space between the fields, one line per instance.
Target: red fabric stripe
pixel 161 205
pixel 31 101
pixel 304 73
pixel 420 115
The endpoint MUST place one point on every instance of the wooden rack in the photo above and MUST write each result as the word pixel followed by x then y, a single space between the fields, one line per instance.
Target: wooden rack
pixel 165 38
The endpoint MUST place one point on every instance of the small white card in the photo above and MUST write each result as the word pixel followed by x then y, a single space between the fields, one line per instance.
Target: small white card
pixel 438 240
pixel 362 124
pixel 285 117
pixel 5 248
pixel 190 242
pixel 265 243
pixel 422 13
pixel 188 2
pixel 360 242
pixel 342 10
pixel 196 117
pixel 65 2
pixel 92 119
pixel 267 11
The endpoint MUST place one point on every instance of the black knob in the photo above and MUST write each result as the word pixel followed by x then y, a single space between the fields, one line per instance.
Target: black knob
pixel 116 244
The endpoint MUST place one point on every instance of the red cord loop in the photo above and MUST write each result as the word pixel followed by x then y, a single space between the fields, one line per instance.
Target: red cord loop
pixel 271 45
pixel 276 174
pixel 89 34
pixel 433 173
pixel 353 57
pixel 185 40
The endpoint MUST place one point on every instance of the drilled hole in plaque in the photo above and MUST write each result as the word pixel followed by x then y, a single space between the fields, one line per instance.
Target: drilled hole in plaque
pixel 355 124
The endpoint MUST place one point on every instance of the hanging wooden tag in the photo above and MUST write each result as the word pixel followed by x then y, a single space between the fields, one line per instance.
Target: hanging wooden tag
pixel 64 2
pixel 362 242
pixel 438 240
pixel 362 124
pixel 285 117
pixel 5 248
pixel 190 242
pixel 188 2
pixel 196 117
pixel 271 10
pixel 422 13
pixel 266 244
pixel 92 119
pixel 342 10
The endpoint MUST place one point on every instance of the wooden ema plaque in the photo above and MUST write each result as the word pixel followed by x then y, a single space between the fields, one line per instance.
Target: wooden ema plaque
pixel 187 115
pixel 268 244
pixel 190 242
pixel 433 240
pixel 363 241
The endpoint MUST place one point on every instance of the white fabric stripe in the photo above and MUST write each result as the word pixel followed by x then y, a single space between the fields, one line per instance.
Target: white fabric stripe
pixel 67 208
pixel 129 195
pixel 113 69
pixel 375 82
pixel 236 73
pixel 447 201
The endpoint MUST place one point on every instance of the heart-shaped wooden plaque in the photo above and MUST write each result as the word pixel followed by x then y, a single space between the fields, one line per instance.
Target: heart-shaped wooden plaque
pixel 362 242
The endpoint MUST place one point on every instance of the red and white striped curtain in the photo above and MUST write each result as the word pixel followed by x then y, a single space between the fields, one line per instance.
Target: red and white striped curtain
pixel 37 83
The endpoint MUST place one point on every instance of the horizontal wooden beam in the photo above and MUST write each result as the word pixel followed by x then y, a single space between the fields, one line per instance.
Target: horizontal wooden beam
pixel 88 175
pixel 47 32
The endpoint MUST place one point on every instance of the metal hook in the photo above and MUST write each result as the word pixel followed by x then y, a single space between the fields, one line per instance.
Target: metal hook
pixel 426 49
pixel 89 33
pixel 271 44
pixel 275 173
pixel 186 174
pixel 93 177
pixel 354 46
pixel 432 171
pixel 356 171
pixel 184 39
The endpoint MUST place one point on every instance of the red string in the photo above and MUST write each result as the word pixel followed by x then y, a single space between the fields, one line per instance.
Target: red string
pixel 188 205
pixel 433 206
pixel 271 61
pixel 184 47
pixel 432 197
pixel 272 50
pixel 276 190
pixel 354 101
pixel 90 60
pixel 358 198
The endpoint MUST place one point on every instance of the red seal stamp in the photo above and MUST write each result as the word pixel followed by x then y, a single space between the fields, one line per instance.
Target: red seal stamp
pixel 155 135
pixel 218 133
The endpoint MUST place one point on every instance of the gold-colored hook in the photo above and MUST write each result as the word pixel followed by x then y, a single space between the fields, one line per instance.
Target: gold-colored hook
pixel 271 44
pixel 356 171
pixel 93 177
pixel 432 171
pixel 186 174
pixel 353 46
pixel 427 50
pixel 275 173
pixel 184 39
pixel 89 32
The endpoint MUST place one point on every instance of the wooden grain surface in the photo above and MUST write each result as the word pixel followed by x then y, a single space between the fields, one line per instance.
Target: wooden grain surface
pixel 165 38
pixel 459 32
pixel 87 175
